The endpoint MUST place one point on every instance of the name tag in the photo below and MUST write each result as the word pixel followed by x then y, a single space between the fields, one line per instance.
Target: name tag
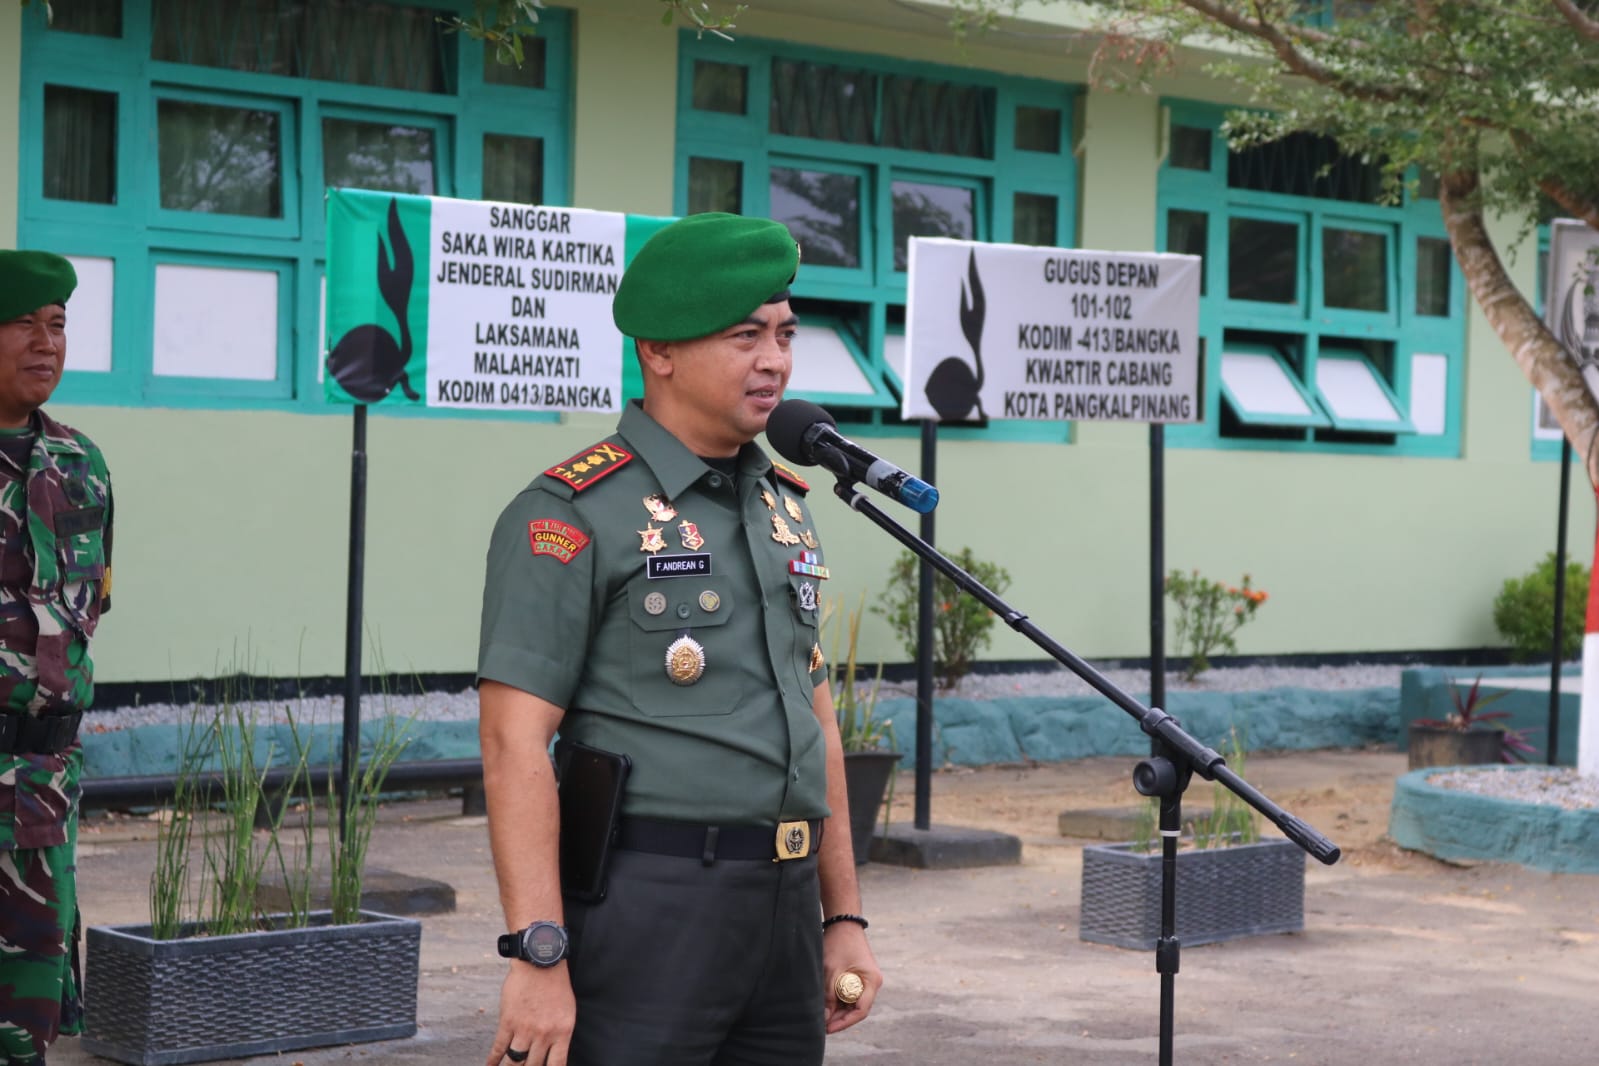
pixel 695 565
pixel 79 520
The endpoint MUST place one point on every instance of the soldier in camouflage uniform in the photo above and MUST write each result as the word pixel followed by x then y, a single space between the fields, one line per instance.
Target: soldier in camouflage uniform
pixel 55 581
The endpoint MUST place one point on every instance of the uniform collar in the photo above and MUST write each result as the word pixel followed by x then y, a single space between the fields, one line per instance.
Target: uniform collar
pixel 674 466
pixel 57 439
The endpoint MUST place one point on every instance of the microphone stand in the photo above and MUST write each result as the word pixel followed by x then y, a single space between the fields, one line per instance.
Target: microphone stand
pixel 1177 754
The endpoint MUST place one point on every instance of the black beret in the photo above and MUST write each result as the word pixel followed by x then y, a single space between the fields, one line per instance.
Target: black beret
pixel 702 274
pixel 31 280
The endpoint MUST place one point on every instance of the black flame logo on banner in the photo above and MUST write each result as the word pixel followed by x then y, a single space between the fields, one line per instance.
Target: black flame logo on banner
pixel 953 385
pixel 367 363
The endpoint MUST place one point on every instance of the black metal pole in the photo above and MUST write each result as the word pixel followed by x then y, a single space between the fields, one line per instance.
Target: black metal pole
pixel 352 622
pixel 1157 565
pixel 924 644
pixel 1558 654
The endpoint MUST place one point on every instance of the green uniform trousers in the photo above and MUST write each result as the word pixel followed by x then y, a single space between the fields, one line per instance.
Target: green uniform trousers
pixel 39 987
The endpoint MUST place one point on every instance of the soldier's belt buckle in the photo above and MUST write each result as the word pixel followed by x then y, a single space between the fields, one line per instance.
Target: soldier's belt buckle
pixel 793 840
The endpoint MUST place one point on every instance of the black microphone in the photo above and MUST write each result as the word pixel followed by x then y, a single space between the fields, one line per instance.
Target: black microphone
pixel 805 434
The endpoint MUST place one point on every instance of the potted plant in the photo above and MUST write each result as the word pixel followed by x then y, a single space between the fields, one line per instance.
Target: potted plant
pixel 1468 736
pixel 868 741
pixel 211 976
pixel 1231 883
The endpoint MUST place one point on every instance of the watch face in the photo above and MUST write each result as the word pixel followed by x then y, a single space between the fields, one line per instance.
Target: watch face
pixel 544 944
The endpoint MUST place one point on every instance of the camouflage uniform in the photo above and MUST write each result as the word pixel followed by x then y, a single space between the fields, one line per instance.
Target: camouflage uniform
pixel 55 580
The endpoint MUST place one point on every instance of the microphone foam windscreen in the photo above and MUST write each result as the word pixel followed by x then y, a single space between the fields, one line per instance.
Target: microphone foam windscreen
pixel 786 426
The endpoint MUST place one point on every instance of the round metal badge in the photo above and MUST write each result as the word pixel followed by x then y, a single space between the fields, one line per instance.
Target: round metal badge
pixel 709 601
pixel 655 603
pixel 685 661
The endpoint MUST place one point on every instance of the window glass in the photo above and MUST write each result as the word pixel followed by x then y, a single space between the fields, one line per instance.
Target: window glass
pixel 1038 129
pixel 1034 219
pixel 924 209
pixel 1262 260
pixel 715 185
pixel 933 115
pixel 822 209
pixel 98 18
pixel 376 155
pixel 363 42
pixel 513 168
pixel 1190 148
pixel 721 87
pixel 1188 232
pixel 1427 186
pixel 1304 164
pixel 1433 260
pixel 80 145
pixel 221 160
pixel 826 102
pixel 1354 269
pixel 530 75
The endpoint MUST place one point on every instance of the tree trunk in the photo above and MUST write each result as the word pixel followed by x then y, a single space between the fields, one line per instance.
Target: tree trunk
pixel 1541 357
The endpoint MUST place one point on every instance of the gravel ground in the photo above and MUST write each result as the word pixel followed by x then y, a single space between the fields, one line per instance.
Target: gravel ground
pixel 1560 787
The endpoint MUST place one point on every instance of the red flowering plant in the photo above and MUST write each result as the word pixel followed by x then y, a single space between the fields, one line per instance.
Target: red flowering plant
pixel 1209 615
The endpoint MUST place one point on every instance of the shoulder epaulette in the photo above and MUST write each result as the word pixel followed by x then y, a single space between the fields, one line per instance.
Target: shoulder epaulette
pixel 591 464
pixel 789 476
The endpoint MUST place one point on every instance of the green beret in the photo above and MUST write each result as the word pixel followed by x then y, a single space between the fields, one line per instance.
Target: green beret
pixel 31 280
pixel 702 274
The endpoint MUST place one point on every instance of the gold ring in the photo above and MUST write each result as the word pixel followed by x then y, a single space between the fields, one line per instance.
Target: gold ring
pixel 849 987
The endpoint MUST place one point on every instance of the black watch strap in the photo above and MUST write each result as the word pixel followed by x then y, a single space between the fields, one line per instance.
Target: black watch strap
pixel 543 944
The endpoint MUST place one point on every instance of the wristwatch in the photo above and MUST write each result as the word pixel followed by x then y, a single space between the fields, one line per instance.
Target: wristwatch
pixel 543 944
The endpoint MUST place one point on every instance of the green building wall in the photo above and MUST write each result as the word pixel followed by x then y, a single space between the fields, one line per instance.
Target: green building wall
pixel 232 525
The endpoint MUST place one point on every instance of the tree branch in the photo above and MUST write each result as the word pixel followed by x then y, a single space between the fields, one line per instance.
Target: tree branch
pixel 1292 57
pixel 1585 26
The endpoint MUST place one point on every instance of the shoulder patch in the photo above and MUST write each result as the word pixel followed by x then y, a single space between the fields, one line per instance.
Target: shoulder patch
pixel 789 476
pixel 550 536
pixel 591 464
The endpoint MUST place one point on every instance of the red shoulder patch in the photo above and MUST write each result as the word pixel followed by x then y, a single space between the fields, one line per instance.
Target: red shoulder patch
pixel 588 466
pixel 792 478
pixel 550 536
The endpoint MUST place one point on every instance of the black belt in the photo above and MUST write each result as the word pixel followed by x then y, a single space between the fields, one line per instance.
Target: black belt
pixel 29 734
pixel 708 843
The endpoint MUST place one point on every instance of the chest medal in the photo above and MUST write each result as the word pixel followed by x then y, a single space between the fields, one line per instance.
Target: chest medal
pixel 685 661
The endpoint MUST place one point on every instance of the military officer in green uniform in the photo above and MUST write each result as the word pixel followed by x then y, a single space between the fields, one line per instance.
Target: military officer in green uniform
pixel 55 582
pixel 655 596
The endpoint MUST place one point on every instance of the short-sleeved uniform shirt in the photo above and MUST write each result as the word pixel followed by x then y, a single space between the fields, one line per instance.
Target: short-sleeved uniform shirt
pixel 636 552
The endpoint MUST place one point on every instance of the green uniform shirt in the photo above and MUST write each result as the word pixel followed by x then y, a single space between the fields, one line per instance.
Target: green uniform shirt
pixel 572 614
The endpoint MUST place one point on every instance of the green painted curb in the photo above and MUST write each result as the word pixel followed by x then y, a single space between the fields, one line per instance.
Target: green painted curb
pixel 1451 824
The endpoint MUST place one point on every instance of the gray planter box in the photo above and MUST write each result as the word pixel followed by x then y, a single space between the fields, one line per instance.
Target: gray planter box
pixel 198 999
pixel 1222 893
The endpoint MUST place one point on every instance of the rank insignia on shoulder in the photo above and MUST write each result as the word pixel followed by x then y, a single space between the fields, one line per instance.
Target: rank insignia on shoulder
pixel 792 478
pixel 793 509
pixel 588 466
pixel 550 536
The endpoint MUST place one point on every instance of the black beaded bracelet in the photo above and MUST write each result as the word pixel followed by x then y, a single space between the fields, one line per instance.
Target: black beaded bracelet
pixel 835 919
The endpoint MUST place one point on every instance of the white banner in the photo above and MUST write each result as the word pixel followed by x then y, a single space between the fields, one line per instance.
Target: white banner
pixel 519 307
pixel 1014 331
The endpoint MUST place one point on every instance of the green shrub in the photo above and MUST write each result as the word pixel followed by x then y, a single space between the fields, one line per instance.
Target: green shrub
pixel 961 625
pixel 1524 611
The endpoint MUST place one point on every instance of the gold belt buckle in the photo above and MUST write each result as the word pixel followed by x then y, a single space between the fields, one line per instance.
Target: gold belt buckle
pixel 793 840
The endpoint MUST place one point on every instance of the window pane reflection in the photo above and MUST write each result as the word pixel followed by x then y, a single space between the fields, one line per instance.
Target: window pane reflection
pixel 80 145
pixel 1187 233
pixel 374 155
pixel 1034 219
pixel 1432 276
pixel 822 210
pixel 1354 268
pixel 715 185
pixel 513 169
pixel 922 209
pixel 1262 261
pixel 221 160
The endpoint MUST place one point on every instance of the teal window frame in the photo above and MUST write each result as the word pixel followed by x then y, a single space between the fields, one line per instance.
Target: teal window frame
pixel 1309 323
pixel 880 396
pixel 877 289
pixel 136 234
pixel 1334 352
pixel 168 218
pixel 1314 416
